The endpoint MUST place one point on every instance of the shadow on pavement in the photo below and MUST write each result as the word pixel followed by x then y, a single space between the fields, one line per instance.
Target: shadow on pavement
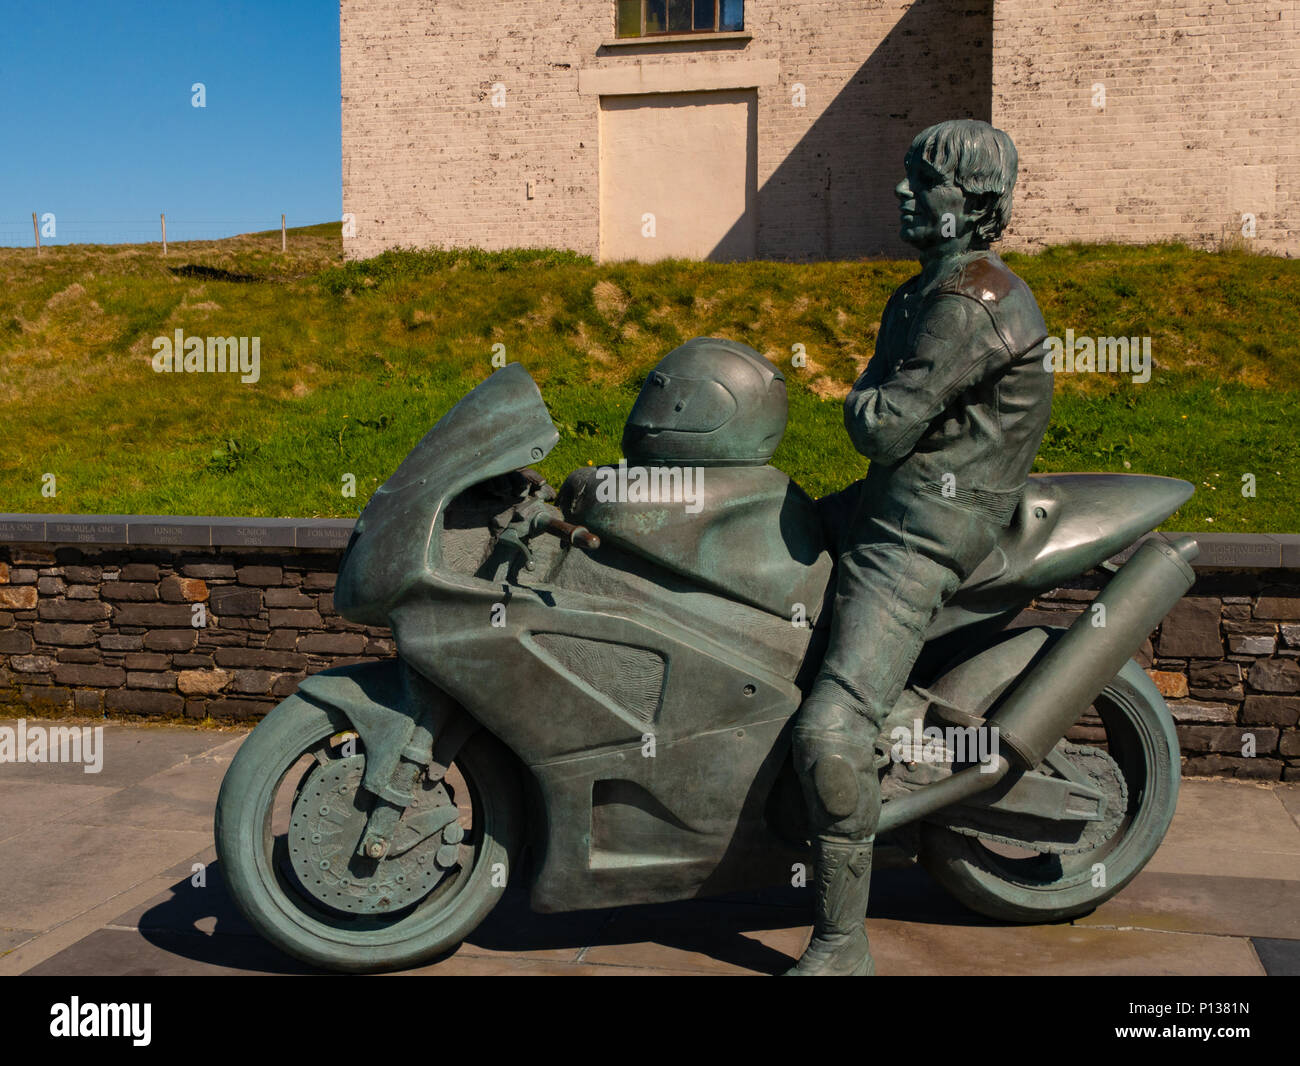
pixel 202 924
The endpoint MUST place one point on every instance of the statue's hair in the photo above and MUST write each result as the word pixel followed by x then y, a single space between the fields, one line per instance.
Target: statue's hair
pixel 978 159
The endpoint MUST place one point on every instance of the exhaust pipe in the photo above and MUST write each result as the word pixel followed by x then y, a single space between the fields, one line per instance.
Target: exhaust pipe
pixel 1094 649
pixel 1072 674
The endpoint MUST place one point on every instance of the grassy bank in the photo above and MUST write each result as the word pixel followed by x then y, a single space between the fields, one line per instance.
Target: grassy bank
pixel 359 359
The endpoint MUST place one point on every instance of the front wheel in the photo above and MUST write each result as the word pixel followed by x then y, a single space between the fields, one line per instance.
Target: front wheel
pixel 289 817
pixel 1022 883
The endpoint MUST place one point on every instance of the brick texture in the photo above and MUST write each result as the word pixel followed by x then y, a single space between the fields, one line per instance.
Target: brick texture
pixel 1197 127
pixel 1195 131
pixel 428 159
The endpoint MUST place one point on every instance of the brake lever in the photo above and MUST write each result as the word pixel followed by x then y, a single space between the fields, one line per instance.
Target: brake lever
pixel 512 539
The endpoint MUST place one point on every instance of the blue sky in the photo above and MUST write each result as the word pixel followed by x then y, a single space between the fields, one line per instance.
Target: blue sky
pixel 98 127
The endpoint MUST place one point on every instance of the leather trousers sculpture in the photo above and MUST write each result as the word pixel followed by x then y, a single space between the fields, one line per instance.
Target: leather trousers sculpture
pixel 910 558
pixel 950 411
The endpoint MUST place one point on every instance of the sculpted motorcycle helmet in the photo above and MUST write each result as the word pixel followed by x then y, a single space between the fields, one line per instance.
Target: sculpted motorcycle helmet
pixel 711 402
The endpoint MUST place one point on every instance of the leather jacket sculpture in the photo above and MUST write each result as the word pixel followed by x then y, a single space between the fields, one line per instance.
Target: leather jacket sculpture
pixel 950 411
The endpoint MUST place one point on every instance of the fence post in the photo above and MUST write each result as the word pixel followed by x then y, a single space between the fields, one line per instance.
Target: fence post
pixel 163 216
pixel 36 232
pixel 283 246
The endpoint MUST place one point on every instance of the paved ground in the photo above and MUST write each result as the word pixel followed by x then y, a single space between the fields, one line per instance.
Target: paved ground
pixel 95 878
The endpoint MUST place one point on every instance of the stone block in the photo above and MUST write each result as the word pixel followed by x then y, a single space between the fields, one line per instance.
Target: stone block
pixel 202 682
pixel 73 611
pixel 1279 603
pixel 147 661
pixel 171 639
pixel 64 634
pixel 230 600
pixel 15 642
pixel 175 589
pixel 141 701
pixel 260 576
pixel 1171 685
pixel 333 643
pixel 1194 711
pixel 17 598
pixel 85 674
pixel 1191 629
pixel 139 572
pixel 1275 675
pixel 295 620
pixel 164 681
pixel 1271 710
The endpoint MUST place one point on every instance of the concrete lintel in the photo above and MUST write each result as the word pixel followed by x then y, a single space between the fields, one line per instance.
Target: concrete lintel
pixel 698 76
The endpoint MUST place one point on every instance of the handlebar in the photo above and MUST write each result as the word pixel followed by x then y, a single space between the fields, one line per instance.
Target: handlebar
pixel 573 534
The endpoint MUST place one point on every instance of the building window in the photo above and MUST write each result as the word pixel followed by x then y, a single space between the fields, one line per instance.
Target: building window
pixel 656 18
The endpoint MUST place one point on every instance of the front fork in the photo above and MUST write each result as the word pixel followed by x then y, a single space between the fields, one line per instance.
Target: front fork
pixel 408 726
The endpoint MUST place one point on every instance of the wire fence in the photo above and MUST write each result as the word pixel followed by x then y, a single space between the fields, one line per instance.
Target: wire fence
pixel 59 231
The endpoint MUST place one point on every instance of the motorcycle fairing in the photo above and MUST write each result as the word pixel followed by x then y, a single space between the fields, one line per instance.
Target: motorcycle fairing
pixel 713 719
pixel 499 426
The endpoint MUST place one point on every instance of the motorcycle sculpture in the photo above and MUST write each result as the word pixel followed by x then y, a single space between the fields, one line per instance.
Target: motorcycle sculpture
pixel 603 682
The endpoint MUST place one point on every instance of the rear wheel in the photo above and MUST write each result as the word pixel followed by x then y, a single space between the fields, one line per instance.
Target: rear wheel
pixel 290 815
pixel 1021 882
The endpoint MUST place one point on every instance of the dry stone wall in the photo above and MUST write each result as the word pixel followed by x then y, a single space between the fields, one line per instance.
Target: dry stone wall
pixel 225 632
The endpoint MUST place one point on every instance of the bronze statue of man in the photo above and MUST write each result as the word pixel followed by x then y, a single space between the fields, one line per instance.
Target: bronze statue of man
pixel 950 410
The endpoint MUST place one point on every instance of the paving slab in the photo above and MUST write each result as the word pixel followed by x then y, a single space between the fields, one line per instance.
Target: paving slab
pixel 180 797
pixel 29 805
pixel 131 752
pixel 97 877
pixel 12 938
pixel 480 966
pixel 167 955
pixel 1289 795
pixel 513 930
pixel 1215 818
pixel 54 873
pixel 1280 958
pixel 918 949
pixel 1231 906
pixel 703 935
pixel 195 902
pixel 127 953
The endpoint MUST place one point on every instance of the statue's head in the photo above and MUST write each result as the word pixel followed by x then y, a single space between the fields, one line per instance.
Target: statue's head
pixel 957 192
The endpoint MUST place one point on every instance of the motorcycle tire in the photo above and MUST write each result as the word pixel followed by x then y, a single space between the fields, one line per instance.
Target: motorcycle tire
pixel 260 874
pixel 1041 887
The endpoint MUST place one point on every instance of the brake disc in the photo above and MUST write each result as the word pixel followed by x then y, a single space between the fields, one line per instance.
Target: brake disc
pixel 1060 838
pixel 329 818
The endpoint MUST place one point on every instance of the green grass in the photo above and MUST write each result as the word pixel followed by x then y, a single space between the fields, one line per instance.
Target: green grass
pixel 358 359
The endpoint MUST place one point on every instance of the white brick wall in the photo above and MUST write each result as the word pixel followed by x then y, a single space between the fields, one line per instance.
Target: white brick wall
pixel 1200 100
pixel 1198 127
pixel 428 160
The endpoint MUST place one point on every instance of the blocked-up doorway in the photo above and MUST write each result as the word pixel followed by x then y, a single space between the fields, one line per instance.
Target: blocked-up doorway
pixel 679 175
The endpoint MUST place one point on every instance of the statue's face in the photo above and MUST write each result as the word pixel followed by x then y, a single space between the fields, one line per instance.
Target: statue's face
pixel 932 210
